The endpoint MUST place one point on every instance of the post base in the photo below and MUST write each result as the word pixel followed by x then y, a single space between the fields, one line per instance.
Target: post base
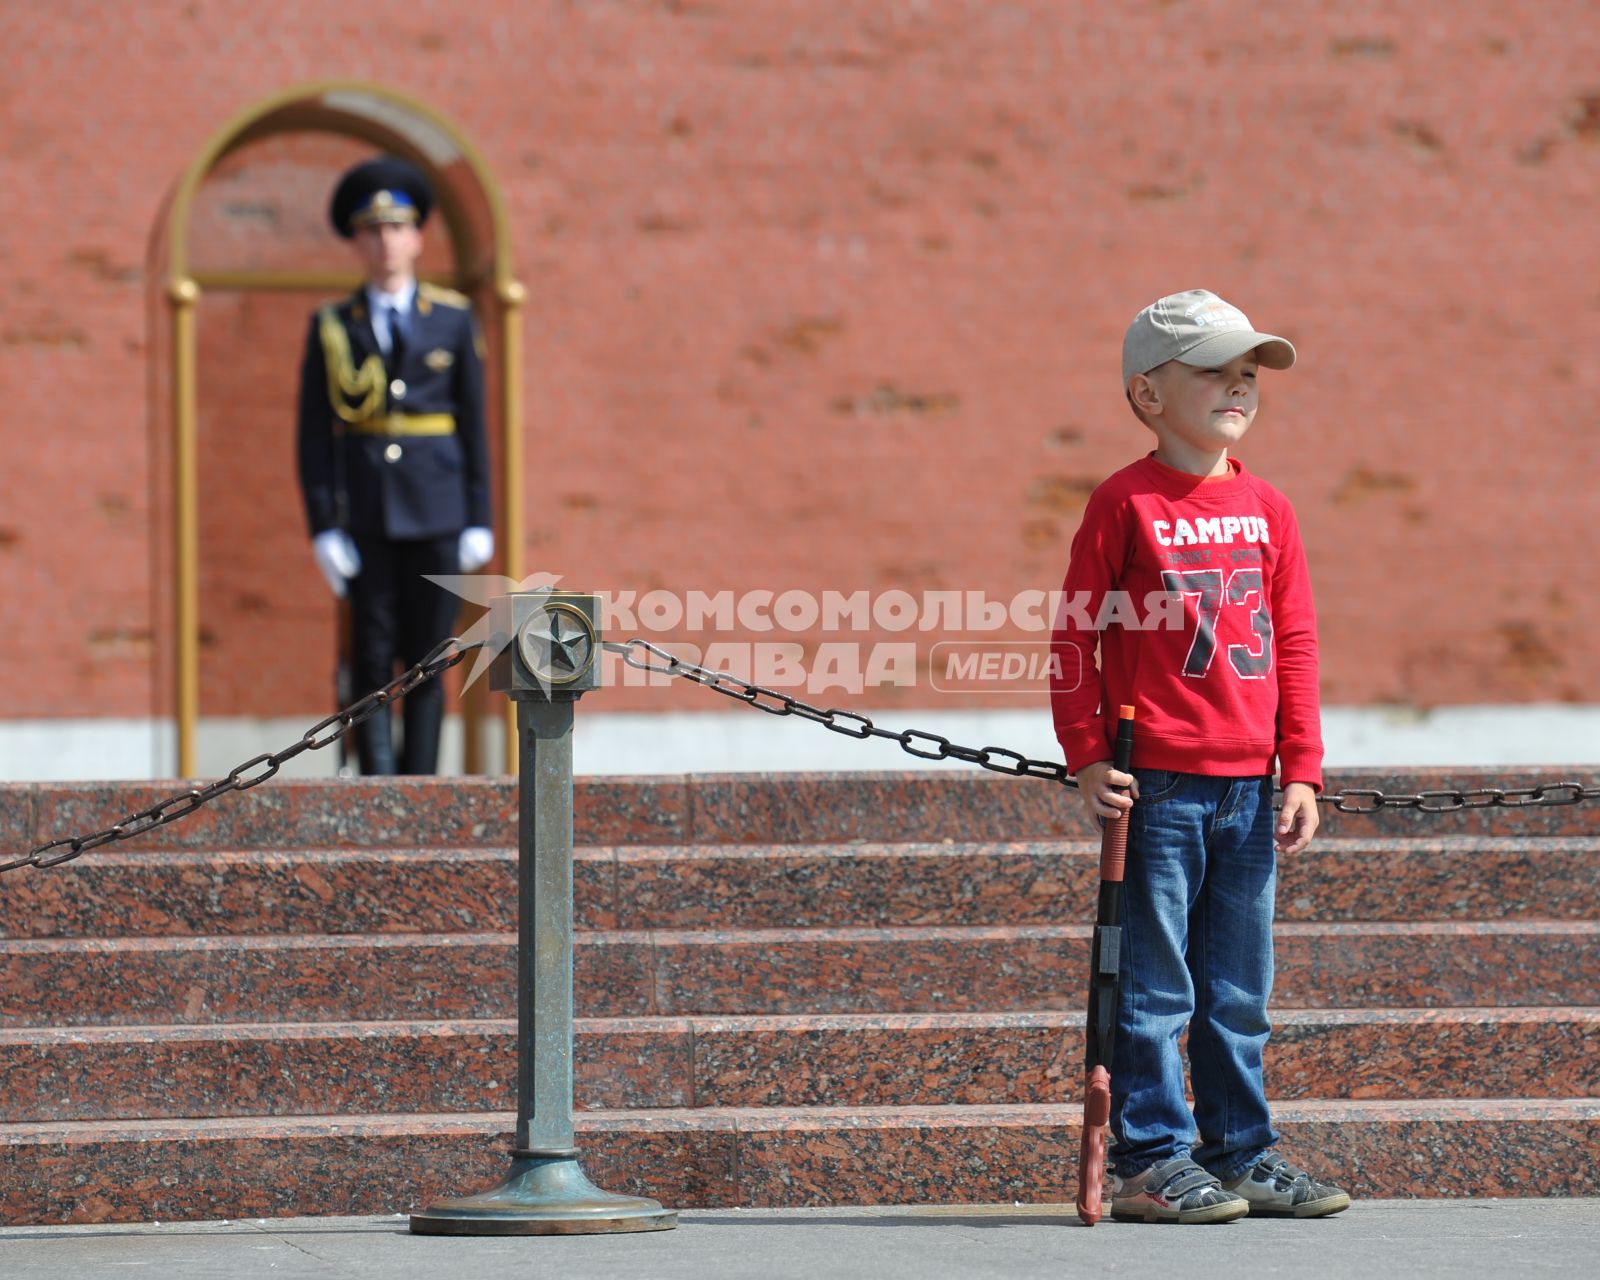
pixel 545 1195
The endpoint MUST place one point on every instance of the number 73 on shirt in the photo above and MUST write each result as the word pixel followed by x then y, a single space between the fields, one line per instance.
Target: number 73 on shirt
pixel 1212 592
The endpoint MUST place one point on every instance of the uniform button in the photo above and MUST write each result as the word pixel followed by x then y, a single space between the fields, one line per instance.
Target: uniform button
pixel 397 389
pixel 392 453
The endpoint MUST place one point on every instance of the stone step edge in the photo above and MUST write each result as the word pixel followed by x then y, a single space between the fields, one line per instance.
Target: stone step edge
pixel 98 1171
pixel 767 1120
pixel 712 1024
pixel 133 859
pixel 812 934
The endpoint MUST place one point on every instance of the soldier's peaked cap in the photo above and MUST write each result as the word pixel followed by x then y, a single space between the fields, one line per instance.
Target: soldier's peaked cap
pixel 384 189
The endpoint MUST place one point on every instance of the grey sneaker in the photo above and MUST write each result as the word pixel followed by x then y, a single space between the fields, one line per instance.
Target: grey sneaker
pixel 1274 1188
pixel 1175 1190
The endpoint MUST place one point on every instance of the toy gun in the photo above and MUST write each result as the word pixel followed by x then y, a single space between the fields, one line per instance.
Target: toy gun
pixel 1105 963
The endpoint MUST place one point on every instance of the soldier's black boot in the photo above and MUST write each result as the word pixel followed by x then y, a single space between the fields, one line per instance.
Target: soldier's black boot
pixel 424 714
pixel 375 744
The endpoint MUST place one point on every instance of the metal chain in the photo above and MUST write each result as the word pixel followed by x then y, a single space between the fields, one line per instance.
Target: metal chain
pixel 932 746
pixel 322 734
pixel 1549 794
pixel 917 742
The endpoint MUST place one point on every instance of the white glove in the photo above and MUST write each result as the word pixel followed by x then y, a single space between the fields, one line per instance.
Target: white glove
pixel 337 558
pixel 477 548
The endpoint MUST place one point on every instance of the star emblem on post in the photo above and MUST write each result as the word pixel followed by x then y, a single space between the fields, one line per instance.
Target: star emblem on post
pixel 557 644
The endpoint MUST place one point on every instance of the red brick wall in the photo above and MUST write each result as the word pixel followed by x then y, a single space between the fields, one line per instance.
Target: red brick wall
pixel 831 297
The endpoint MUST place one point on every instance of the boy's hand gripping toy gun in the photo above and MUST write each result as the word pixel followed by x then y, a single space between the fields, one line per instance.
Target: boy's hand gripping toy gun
pixel 1105 958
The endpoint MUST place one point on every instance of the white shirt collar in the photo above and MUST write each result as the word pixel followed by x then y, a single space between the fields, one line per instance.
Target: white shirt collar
pixel 401 299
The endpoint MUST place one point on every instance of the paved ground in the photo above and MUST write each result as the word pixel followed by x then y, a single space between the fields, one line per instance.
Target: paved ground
pixel 1499 1238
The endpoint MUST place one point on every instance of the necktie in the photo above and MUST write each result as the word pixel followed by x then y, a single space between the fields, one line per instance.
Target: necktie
pixel 397 336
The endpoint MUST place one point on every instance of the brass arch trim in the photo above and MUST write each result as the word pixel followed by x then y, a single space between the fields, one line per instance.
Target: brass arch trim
pixel 254 122
pixel 369 112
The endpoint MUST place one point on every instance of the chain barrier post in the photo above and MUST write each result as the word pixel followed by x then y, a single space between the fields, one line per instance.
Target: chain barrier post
pixel 547 645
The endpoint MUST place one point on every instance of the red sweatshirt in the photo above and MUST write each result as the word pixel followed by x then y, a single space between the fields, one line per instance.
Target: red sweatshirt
pixel 1197 593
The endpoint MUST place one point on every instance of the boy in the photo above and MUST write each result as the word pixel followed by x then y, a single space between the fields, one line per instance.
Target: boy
pixel 1189 572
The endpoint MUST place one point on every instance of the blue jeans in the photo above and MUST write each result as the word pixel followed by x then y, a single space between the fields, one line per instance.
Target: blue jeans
pixel 1196 951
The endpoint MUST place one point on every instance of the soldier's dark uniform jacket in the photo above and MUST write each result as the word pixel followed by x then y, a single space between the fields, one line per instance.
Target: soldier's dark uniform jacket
pixel 403 440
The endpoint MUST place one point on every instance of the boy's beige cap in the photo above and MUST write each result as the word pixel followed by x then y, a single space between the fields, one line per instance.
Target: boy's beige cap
pixel 1198 328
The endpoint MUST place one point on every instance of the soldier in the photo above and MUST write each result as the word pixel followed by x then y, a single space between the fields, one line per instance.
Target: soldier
pixel 393 453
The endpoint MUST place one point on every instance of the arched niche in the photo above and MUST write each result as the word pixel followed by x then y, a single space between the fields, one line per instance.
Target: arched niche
pixel 472 212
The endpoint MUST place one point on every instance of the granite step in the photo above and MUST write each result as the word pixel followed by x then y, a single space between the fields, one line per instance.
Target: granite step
pixel 798 989
pixel 173 1170
pixel 379 977
pixel 968 1059
pixel 959 803
pixel 473 890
